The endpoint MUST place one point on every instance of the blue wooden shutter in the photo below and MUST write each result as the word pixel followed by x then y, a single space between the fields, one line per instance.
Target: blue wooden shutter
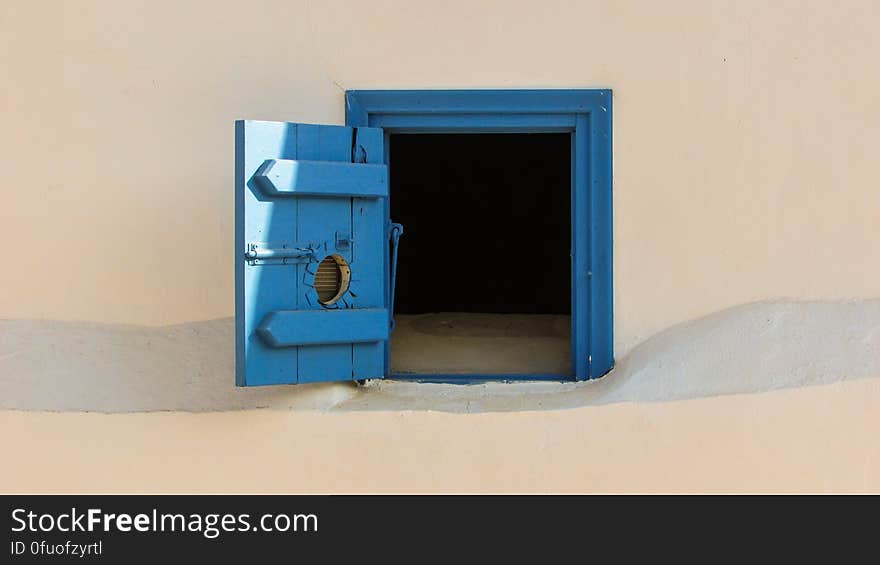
pixel 304 193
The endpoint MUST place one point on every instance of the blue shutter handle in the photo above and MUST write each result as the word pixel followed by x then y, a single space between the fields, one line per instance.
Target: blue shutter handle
pixel 396 232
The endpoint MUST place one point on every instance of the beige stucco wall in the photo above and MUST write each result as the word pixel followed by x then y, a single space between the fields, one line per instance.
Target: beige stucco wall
pixel 745 137
pixel 817 439
pixel 745 169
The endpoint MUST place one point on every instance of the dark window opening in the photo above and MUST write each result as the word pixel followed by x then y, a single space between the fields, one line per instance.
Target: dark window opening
pixel 487 243
pixel 487 222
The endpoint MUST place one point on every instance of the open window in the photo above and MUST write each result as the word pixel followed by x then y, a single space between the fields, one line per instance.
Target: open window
pixel 483 280
pixel 505 269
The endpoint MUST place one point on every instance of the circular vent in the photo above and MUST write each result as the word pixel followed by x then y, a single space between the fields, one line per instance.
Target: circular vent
pixel 332 278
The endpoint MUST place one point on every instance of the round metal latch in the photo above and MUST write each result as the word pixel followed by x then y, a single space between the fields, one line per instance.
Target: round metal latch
pixel 332 279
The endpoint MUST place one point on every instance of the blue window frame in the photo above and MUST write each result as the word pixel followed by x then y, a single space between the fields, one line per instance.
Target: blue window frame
pixel 587 116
